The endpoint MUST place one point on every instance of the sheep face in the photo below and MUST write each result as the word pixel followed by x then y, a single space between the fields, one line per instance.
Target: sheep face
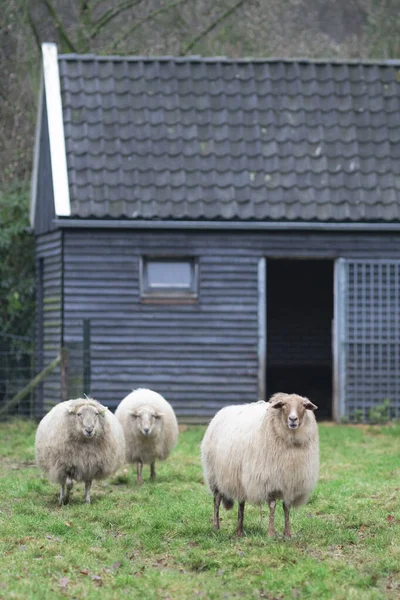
pixel 88 420
pixel 292 408
pixel 147 421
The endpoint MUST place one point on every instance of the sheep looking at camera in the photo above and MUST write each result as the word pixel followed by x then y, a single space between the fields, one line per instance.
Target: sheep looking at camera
pixel 262 452
pixel 150 428
pixel 79 440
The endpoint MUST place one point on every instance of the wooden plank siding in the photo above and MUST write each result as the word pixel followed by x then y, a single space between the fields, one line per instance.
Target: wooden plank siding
pixel 200 356
pixel 49 311
pixel 45 211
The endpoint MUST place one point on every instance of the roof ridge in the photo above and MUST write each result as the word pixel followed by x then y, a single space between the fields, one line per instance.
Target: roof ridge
pixel 225 59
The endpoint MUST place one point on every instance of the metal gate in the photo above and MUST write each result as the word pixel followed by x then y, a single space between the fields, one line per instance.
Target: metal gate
pixel 366 340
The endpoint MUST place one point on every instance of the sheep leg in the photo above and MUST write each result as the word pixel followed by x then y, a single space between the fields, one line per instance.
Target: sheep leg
pixel 64 498
pixel 239 528
pixel 139 472
pixel 217 502
pixel 271 527
pixel 88 485
pixel 152 472
pixel 286 531
pixel 62 492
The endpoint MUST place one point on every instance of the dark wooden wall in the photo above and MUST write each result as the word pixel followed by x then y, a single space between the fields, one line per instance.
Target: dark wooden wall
pixel 201 356
pixel 49 315
pixel 45 212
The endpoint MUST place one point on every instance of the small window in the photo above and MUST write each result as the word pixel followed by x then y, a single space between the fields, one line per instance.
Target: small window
pixel 169 278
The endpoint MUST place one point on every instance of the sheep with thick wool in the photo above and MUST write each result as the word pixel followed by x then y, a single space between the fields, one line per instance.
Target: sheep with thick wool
pixel 150 428
pixel 262 452
pixel 79 440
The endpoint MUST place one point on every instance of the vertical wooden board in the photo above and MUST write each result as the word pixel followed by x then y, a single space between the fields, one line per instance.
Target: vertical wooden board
pixel 262 328
pixel 201 356
pixel 49 252
pixel 44 210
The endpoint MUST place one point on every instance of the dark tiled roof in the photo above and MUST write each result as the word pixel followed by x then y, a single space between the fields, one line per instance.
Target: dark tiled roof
pixel 193 138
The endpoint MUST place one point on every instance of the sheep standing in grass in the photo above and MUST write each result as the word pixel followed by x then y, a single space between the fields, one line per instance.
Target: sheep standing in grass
pixel 150 428
pixel 262 452
pixel 79 440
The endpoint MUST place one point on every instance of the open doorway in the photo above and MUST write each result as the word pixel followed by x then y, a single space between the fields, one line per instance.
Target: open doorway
pixel 299 330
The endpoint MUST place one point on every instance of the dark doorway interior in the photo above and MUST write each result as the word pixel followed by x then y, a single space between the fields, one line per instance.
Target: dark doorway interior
pixel 299 323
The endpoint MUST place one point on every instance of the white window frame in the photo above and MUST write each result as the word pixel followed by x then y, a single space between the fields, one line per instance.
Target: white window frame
pixel 174 292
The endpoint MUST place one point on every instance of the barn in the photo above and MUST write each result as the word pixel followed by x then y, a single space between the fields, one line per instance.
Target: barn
pixel 219 230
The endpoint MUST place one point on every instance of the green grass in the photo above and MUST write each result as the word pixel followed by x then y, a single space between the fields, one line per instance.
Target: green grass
pixel 157 542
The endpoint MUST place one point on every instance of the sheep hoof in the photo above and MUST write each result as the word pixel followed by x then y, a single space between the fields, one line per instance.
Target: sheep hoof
pixel 239 533
pixel 287 534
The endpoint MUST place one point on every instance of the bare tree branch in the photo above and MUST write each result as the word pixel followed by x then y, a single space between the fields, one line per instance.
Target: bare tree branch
pixel 66 41
pixel 84 25
pixel 149 17
pixel 360 8
pixel 111 14
pixel 212 26
pixel 33 28
pixel 3 95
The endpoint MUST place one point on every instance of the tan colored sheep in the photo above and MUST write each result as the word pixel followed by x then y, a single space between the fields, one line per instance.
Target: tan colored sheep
pixel 262 452
pixel 79 440
pixel 150 428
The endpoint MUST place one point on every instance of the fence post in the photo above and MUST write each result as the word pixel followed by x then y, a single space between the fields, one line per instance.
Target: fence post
pixel 64 374
pixel 86 357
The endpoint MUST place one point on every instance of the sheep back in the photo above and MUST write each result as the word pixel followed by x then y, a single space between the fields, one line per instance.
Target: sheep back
pixel 139 447
pixel 61 453
pixel 245 460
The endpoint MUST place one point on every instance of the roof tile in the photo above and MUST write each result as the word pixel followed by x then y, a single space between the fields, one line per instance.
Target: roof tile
pixel 223 139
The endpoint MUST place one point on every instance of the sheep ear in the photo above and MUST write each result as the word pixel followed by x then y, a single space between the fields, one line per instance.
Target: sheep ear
pixel 158 415
pixel 103 410
pixel 277 400
pixel 134 413
pixel 309 405
pixel 277 404
pixel 71 409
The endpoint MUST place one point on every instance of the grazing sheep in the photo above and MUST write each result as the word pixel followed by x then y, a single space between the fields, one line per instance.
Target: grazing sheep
pixel 150 428
pixel 262 452
pixel 79 440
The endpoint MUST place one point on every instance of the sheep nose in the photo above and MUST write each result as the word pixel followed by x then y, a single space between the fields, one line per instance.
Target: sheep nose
pixel 146 430
pixel 88 430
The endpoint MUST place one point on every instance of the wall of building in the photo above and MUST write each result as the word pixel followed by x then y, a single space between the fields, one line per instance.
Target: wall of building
pixel 200 356
pixel 49 315
pixel 45 212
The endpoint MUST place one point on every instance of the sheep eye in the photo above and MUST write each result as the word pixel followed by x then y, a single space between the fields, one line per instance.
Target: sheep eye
pixel 79 414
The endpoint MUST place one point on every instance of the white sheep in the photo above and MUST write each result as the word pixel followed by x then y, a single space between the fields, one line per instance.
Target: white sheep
pixel 150 428
pixel 262 452
pixel 79 440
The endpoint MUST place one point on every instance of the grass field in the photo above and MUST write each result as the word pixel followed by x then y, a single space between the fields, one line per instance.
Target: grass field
pixel 157 542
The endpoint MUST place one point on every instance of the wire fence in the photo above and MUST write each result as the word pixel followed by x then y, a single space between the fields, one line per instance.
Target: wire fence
pixel 17 368
pixel 30 381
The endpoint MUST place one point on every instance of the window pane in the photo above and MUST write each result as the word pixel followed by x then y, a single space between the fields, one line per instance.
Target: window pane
pixel 169 274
